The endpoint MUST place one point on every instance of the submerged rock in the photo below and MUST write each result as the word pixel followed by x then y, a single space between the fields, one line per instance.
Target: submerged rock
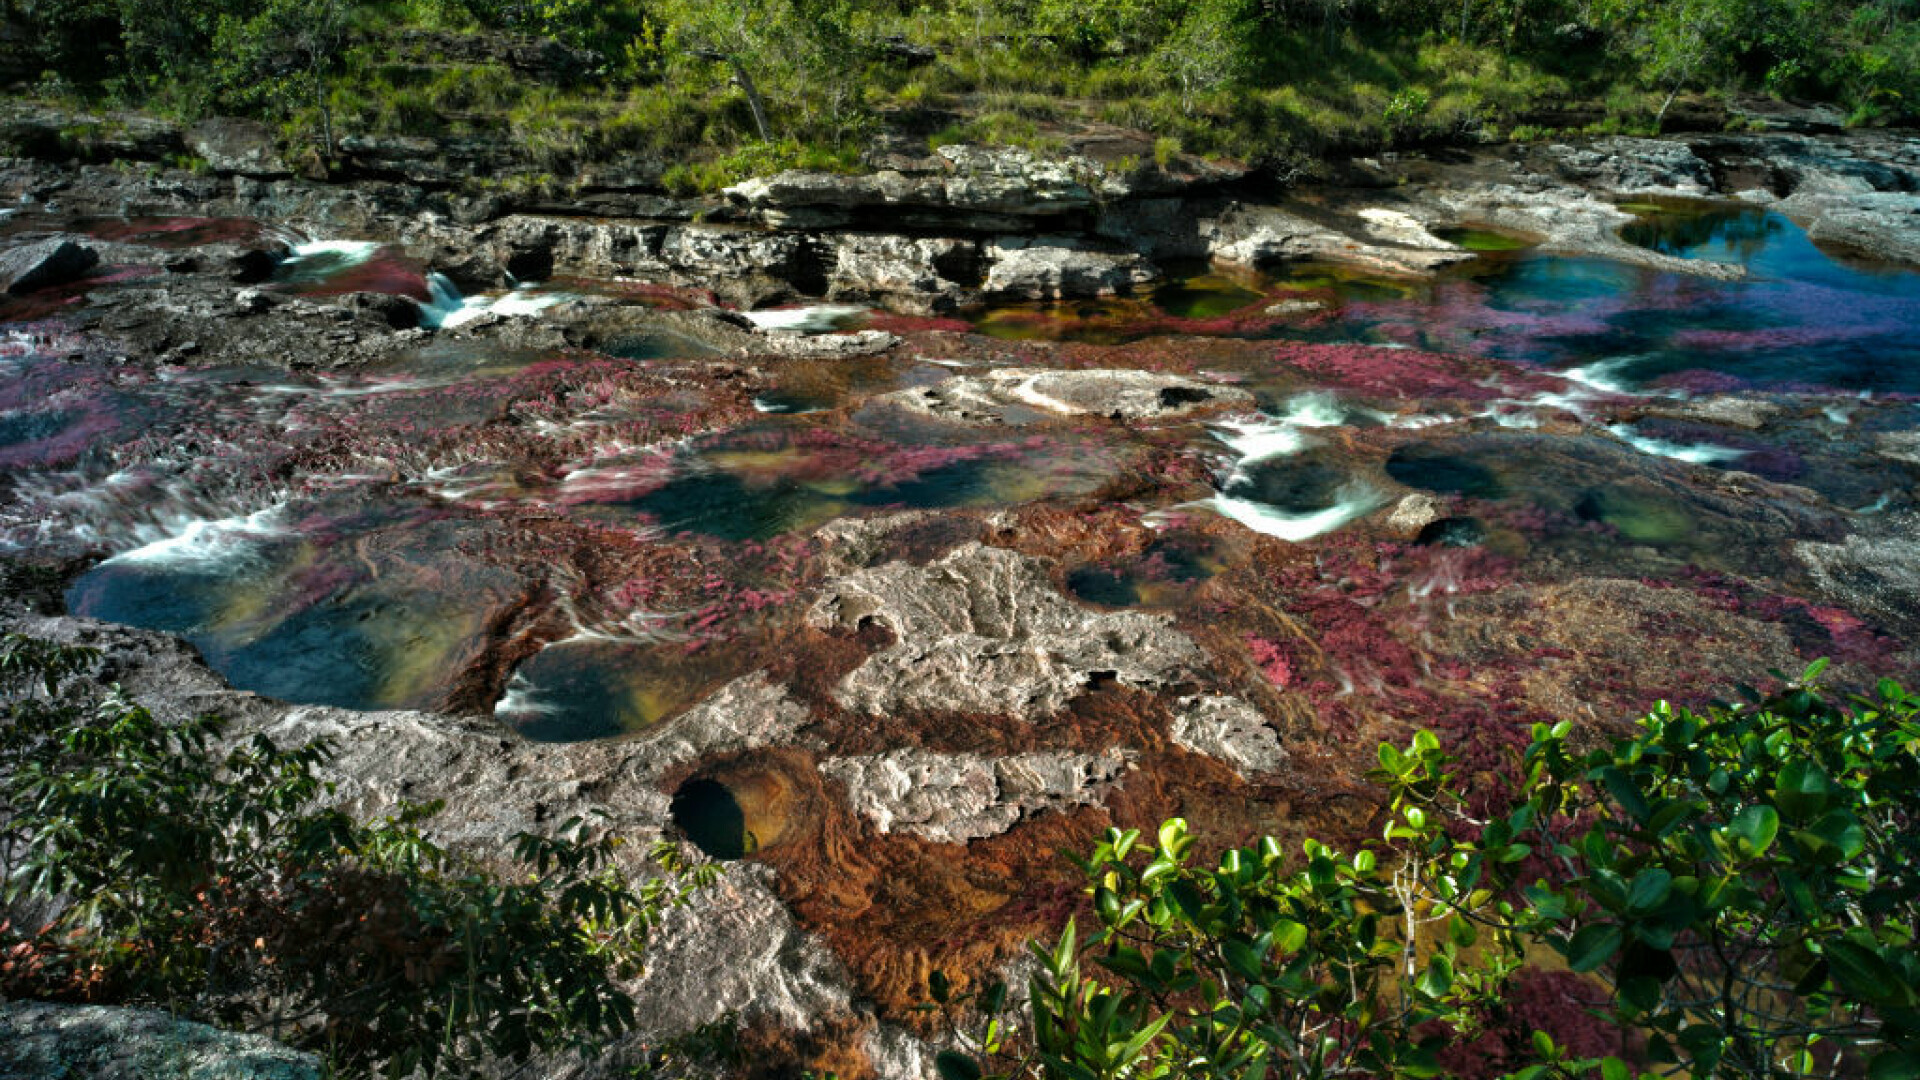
pixel 43 1041
pixel 998 396
pixel 954 798
pixel 984 631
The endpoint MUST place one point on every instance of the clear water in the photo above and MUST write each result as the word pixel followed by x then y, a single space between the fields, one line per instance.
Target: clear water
pixel 366 540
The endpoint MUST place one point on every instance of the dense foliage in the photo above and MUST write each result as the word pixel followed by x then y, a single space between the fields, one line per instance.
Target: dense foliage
pixel 773 82
pixel 166 870
pixel 1737 888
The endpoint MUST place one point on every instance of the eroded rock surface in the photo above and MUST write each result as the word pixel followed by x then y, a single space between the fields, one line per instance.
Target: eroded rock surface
pixel 1630 166
pixel 1050 268
pixel 1011 393
pixel 954 798
pixel 1876 571
pixel 1230 730
pixel 38 266
pixel 983 631
pixel 43 1041
pixel 735 949
pixel 1257 236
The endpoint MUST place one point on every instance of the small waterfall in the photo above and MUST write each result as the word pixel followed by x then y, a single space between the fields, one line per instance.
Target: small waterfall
pixel 1693 453
pixel 445 304
pixel 448 310
pixel 1263 438
pixel 815 319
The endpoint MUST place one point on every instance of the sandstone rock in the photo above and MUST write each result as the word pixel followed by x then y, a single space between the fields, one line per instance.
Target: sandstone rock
pixel 1230 730
pixel 1053 268
pixel 734 948
pixel 954 798
pixel 1630 166
pixel 983 630
pixel 1400 227
pixel 1882 224
pixel 968 179
pixel 1901 446
pixel 44 264
pixel 1570 221
pixel 1289 308
pixel 1413 513
pixel 246 147
pixel 44 1041
pixel 1876 572
pixel 1777 115
pixel 911 273
pixel 1751 413
pixel 1007 394
pixel 496 786
pixel 824 346
pixel 1258 236
pixel 35 130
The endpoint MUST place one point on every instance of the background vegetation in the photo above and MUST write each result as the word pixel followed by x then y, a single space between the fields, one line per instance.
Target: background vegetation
pixel 734 86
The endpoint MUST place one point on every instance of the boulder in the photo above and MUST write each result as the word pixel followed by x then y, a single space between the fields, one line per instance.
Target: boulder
pixel 45 264
pixel 232 146
pixel 1054 268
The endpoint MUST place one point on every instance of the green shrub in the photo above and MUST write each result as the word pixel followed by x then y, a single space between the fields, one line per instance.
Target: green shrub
pixel 1742 885
pixel 212 882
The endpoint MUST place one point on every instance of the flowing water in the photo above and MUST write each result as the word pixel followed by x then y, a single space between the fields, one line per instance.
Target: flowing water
pixel 370 539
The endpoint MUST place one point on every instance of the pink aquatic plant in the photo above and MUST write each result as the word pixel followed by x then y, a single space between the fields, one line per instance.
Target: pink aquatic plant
pixel 1272 661
pixel 1376 371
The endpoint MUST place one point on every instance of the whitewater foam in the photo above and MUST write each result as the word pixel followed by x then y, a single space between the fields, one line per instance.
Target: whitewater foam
pixel 816 319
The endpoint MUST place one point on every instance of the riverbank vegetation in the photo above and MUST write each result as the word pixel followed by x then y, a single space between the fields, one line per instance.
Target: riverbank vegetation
pixel 1728 893
pixel 154 864
pixel 729 87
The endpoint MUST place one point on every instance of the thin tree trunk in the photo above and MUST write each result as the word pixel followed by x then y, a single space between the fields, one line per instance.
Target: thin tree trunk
pixel 745 82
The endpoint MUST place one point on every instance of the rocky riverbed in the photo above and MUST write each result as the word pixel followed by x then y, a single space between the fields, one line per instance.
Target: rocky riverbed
pixel 885 535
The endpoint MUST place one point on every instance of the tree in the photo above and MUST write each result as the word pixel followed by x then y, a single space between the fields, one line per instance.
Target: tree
pixel 212 883
pixel 1679 41
pixel 1742 885
pixel 1211 48
pixel 279 57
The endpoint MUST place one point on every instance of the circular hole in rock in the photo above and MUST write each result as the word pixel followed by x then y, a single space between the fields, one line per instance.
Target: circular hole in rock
pixel 1295 485
pixel 1436 470
pixel 712 818
pixel 1459 532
